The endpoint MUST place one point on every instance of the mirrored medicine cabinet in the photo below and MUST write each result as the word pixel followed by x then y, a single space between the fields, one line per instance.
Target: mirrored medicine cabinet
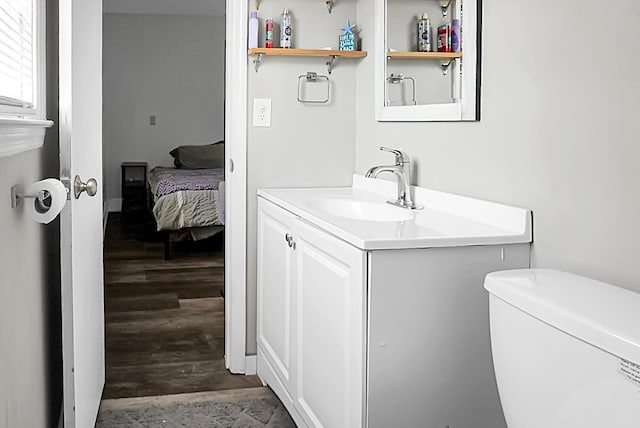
pixel 436 85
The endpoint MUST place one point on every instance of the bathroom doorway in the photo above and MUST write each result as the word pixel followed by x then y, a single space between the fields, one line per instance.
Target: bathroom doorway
pixel 164 318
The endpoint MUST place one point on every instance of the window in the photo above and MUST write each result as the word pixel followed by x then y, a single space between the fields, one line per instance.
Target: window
pixel 22 69
pixel 17 55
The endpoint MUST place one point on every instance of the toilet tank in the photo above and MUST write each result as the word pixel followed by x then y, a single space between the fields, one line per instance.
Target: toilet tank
pixel 566 350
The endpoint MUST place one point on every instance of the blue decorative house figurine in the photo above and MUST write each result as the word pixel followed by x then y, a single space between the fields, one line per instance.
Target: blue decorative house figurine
pixel 347 40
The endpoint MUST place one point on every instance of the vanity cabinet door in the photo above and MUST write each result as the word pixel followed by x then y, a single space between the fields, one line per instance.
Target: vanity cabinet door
pixel 330 329
pixel 275 284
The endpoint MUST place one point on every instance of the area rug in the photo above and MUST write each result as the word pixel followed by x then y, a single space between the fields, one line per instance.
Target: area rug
pixel 238 408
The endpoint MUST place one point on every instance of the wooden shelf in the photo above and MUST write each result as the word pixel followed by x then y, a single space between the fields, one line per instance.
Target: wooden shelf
pixel 424 55
pixel 307 52
pixel 331 55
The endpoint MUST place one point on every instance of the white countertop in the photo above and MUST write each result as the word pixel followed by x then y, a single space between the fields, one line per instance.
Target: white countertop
pixel 447 220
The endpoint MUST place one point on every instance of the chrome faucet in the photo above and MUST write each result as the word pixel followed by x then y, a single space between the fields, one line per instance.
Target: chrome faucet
pixel 402 172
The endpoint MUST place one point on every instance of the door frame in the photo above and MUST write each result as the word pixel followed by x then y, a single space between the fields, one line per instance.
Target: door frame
pixel 235 282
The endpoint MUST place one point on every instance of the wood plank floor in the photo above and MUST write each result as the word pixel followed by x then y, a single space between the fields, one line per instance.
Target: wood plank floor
pixel 164 320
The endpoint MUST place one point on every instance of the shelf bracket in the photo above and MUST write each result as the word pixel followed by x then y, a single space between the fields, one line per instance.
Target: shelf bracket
pixel 444 7
pixel 329 4
pixel 330 61
pixel 257 60
pixel 444 65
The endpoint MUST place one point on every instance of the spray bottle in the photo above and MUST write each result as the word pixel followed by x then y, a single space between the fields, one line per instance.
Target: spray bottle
pixel 268 33
pixel 424 33
pixel 286 30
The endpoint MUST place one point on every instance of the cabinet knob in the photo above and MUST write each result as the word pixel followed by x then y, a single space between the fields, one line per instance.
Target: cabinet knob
pixel 289 239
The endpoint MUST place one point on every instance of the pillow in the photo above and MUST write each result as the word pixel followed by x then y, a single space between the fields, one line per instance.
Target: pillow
pixel 198 157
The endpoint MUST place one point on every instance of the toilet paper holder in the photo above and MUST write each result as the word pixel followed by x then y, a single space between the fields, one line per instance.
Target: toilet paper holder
pixel 17 195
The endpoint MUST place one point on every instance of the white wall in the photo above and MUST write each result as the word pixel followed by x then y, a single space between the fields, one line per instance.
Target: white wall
pixel 23 305
pixel 166 7
pixel 307 145
pixel 171 66
pixel 558 132
pixel 30 323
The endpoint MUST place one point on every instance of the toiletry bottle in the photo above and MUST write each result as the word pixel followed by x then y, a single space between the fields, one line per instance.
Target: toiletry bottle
pixel 424 33
pixel 444 38
pixel 253 30
pixel 268 34
pixel 286 29
pixel 455 35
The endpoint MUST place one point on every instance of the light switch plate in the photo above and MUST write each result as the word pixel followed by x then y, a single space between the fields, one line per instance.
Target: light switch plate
pixel 262 112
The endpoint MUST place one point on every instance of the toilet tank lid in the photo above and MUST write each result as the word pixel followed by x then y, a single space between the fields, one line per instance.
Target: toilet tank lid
pixel 598 313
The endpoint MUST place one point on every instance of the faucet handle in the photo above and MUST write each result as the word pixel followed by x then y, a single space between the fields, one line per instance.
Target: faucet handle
pixel 401 157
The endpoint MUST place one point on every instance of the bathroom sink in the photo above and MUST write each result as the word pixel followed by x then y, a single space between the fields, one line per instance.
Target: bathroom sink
pixel 361 216
pixel 362 210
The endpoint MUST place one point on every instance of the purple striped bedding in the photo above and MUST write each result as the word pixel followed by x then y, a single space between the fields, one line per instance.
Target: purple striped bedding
pixel 171 180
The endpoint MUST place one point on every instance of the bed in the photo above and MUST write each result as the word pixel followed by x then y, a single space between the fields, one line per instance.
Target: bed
pixel 187 199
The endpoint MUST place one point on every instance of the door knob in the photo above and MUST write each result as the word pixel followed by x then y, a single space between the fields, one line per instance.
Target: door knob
pixel 91 187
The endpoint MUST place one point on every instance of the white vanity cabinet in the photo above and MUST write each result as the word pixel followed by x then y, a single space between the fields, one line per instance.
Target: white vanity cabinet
pixel 358 328
pixel 311 320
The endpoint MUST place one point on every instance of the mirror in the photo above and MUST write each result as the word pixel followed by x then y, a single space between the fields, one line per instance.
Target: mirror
pixel 433 76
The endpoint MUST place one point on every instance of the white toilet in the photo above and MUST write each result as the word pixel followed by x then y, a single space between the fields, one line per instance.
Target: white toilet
pixel 566 350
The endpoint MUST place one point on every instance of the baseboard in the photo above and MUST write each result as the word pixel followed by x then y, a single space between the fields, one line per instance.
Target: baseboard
pixel 105 216
pixel 251 364
pixel 114 205
pixel 61 418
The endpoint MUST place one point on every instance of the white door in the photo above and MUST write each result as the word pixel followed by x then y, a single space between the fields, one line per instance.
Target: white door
pixel 81 220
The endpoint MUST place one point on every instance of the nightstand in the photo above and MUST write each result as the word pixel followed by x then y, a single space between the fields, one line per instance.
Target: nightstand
pixel 134 189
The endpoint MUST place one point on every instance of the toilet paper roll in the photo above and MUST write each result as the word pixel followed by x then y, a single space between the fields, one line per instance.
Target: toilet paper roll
pixel 45 212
